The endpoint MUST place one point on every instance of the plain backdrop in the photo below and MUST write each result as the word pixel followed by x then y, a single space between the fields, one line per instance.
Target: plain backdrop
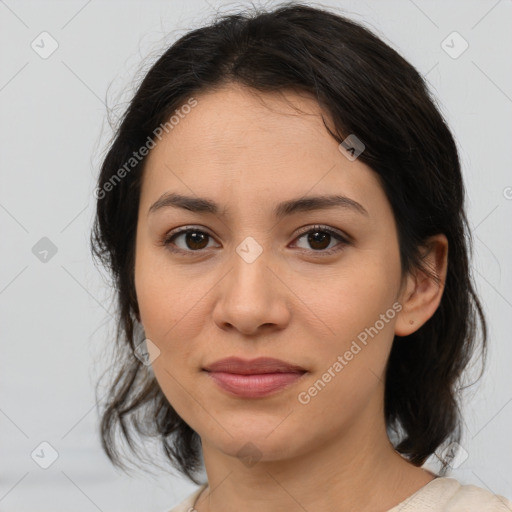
pixel 56 313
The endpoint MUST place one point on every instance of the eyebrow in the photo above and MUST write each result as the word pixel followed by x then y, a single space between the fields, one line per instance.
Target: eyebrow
pixel 286 208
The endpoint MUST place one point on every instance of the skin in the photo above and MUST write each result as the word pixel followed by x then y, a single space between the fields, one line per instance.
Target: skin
pixel 248 151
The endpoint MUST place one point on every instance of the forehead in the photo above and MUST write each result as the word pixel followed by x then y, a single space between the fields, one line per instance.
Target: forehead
pixel 236 118
pixel 240 142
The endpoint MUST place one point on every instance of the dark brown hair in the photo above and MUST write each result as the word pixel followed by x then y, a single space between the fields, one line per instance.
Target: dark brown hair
pixel 369 90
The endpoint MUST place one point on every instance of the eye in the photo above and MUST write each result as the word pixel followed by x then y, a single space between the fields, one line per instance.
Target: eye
pixel 320 238
pixel 194 240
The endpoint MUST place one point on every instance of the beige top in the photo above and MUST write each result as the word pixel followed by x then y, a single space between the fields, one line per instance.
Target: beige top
pixel 441 494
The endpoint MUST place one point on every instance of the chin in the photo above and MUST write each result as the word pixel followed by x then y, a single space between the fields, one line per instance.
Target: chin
pixel 256 444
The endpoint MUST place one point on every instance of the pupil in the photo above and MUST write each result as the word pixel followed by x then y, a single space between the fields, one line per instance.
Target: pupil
pixel 195 240
pixel 318 236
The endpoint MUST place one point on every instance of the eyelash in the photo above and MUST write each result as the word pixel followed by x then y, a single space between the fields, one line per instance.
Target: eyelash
pixel 169 237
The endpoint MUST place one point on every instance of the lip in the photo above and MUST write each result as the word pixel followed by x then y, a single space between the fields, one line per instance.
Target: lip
pixel 253 366
pixel 254 378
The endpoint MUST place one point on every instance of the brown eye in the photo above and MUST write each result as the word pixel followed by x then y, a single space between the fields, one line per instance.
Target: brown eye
pixel 196 240
pixel 319 239
pixel 192 240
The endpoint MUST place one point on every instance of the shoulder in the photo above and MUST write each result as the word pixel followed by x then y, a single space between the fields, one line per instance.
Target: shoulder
pixel 449 495
pixel 187 505
pixel 443 494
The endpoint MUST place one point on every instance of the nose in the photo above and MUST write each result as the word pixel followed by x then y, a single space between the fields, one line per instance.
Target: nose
pixel 252 297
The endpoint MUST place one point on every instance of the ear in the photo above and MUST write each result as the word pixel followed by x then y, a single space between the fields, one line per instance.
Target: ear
pixel 421 294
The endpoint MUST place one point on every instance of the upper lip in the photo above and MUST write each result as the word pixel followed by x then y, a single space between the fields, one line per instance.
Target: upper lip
pixel 253 366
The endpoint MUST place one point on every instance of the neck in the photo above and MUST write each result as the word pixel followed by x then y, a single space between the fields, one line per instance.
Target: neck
pixel 356 470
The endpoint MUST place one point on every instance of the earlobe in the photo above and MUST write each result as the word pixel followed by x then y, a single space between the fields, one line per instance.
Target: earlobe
pixel 424 288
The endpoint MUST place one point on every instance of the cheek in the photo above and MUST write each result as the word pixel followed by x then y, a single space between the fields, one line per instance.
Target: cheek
pixel 351 297
pixel 162 292
pixel 172 313
pixel 350 368
pixel 357 313
pixel 172 323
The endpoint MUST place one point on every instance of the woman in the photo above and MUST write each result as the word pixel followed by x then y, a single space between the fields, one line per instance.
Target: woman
pixel 282 211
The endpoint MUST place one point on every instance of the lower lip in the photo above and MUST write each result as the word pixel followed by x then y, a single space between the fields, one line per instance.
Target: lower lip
pixel 254 386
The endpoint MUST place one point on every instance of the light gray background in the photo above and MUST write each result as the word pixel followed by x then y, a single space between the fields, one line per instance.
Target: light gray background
pixel 56 328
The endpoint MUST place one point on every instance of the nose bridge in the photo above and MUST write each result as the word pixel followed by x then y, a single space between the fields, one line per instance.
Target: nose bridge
pixel 250 250
pixel 250 266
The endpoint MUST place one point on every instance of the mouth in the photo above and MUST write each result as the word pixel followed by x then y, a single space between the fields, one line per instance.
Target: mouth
pixel 255 378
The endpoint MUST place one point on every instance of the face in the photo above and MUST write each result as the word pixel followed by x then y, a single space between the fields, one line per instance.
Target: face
pixel 314 287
